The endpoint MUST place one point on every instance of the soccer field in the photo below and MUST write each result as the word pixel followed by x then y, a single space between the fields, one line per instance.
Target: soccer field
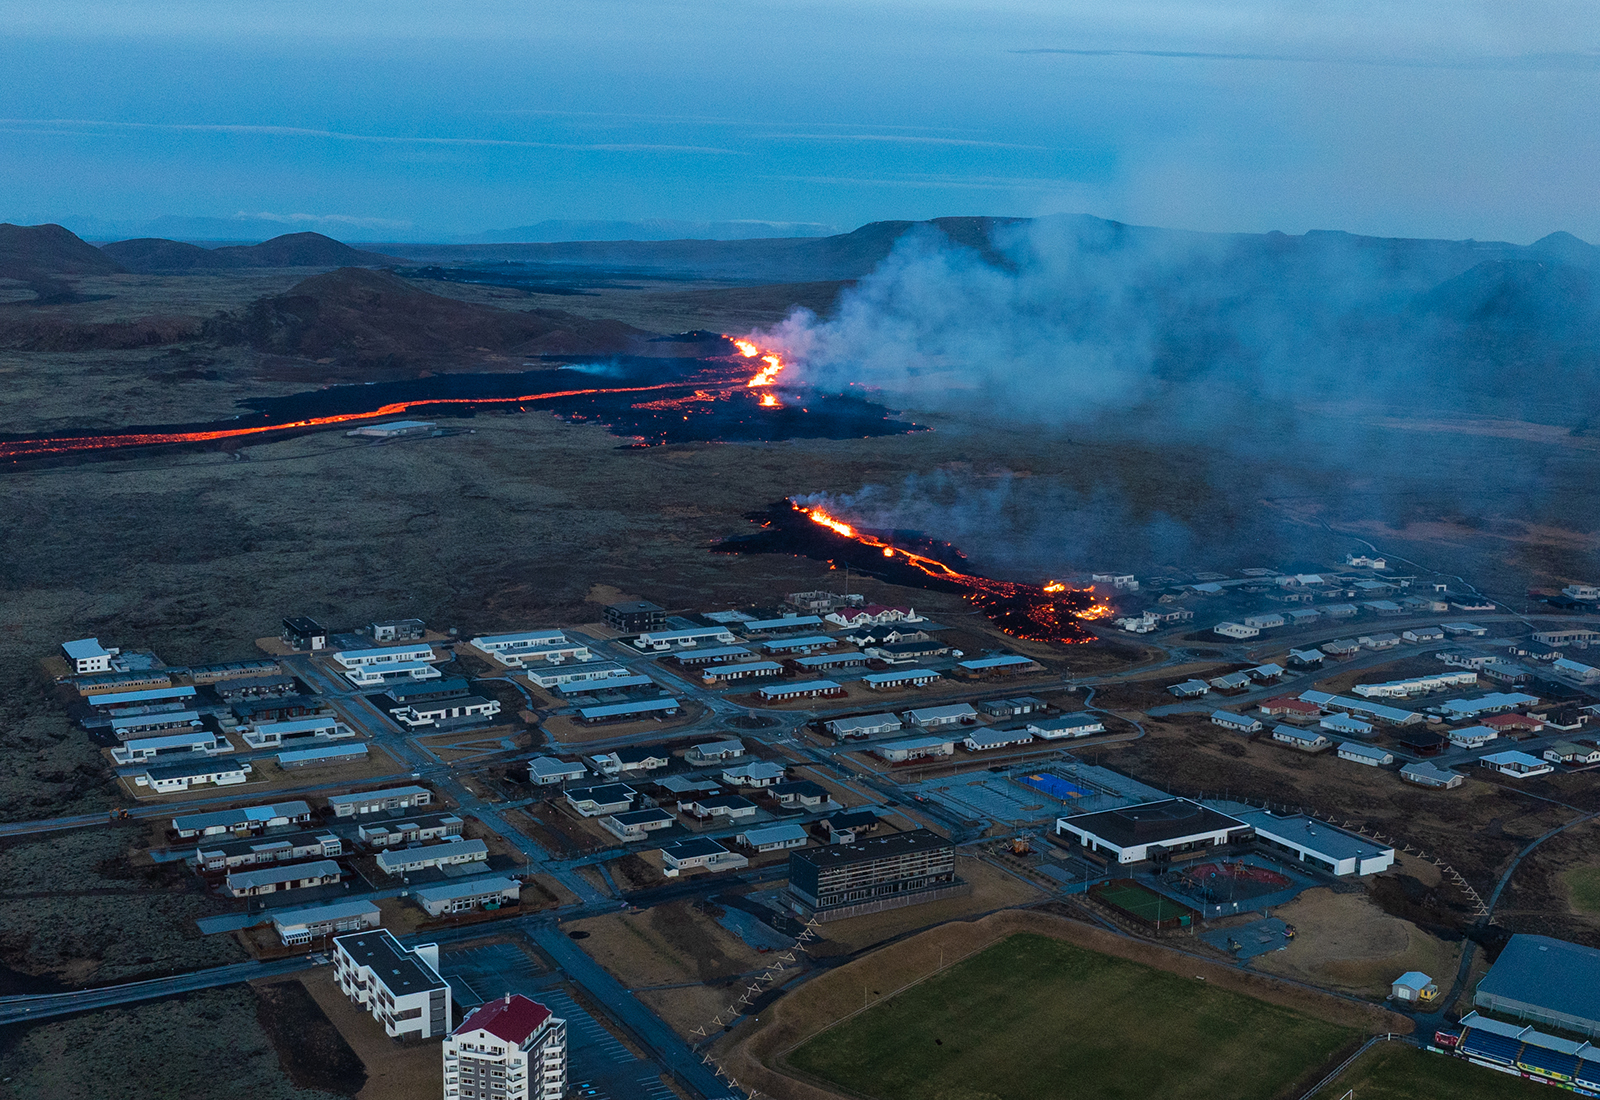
pixel 1032 1018
pixel 1392 1071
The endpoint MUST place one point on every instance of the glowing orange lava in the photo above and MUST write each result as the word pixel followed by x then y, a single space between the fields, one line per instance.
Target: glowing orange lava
pixel 768 374
pixel 1041 613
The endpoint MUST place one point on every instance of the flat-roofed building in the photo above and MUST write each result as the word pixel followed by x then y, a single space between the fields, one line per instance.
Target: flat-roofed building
pixel 138 727
pixel 252 670
pixel 633 825
pixel 899 678
pixel 229 855
pixel 953 714
pixel 269 735
pixel 401 861
pixel 908 651
pixel 371 802
pixel 566 677
pixel 384 656
pixel 299 926
pixel 822 662
pixel 1133 834
pixel 510 1048
pixel 665 707
pixel 269 880
pixel 194 742
pixel 1012 708
pixel 377 676
pixel 220 771
pixel 906 749
pixel 1006 664
pixel 1565 636
pixel 635 617
pixel 751 670
pixel 787 622
pixel 420 829
pixel 790 647
pixel 398 630
pixel 242 819
pixel 400 987
pixel 94 683
pixel 1236 630
pixel 872 875
pixel 530 647
pixel 1418 685
pixel 110 700
pixel 461 710
pixel 1317 843
pixel 715 655
pixel 862 726
pixel 451 898
pixel 610 683
pixel 1364 707
pixel 800 689
pixel 704 807
pixel 660 641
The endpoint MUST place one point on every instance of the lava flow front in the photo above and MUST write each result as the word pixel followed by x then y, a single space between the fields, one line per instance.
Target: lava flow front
pixel 1051 612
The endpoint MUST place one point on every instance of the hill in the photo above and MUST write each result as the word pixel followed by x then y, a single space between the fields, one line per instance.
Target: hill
pixel 43 255
pixel 372 317
pixel 157 256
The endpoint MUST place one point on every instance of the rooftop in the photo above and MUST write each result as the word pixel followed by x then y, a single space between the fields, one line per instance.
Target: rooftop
pixel 310 914
pixel 450 890
pixel 877 847
pixel 401 970
pixel 1154 822
pixel 1313 834
pixel 1553 974
pixel 513 1018
pixel 694 846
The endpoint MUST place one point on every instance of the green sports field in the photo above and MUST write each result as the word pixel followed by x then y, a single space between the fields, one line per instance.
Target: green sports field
pixel 1392 1071
pixel 1032 1018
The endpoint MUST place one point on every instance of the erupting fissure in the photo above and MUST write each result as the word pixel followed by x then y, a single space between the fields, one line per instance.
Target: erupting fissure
pixel 1051 612
pixel 768 374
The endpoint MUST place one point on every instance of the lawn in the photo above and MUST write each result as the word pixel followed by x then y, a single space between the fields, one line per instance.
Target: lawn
pixel 1394 1071
pixel 1583 884
pixel 1032 1018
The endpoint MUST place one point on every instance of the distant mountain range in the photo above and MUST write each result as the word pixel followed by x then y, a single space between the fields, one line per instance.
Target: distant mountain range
pixel 556 230
pixel 153 255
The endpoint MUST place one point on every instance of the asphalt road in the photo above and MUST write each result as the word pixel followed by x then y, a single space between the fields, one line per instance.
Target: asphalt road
pixel 43 1006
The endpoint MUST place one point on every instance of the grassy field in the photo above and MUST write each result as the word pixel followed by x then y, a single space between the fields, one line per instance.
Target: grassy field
pixel 1583 883
pixel 1033 1017
pixel 1391 1071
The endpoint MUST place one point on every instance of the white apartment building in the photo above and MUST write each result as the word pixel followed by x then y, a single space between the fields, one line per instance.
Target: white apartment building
pixel 385 655
pixel 511 1048
pixel 401 988
pixel 532 647
pixel 88 655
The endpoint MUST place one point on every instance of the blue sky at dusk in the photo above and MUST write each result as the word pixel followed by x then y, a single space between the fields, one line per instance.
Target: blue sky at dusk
pixel 427 121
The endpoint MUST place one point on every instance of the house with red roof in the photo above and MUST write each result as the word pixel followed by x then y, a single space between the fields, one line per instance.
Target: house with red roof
pixel 1287 706
pixel 510 1048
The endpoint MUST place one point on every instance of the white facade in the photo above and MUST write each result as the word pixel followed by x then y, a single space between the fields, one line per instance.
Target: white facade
pixel 296 876
pixel 396 861
pixel 560 676
pixel 757 773
pixel 1072 725
pixel 384 655
pixel 380 675
pixel 915 748
pixel 661 640
pixel 88 655
pixel 773 838
pixel 420 715
pixel 533 649
pixel 1518 765
pixel 400 987
pixel 934 717
pixel 271 735
pixel 1365 754
pixel 507 1049
pixel 144 749
pixel 1472 737
pixel 547 771
pixel 1417 685
pixel 1321 844
pixel 463 897
pixel 981 739
pixel 301 926
pixel 869 725
pixel 1236 630
pixel 371 802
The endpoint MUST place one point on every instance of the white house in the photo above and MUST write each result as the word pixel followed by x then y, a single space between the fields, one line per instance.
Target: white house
pixel 1296 738
pixel 608 798
pixel 663 640
pixel 1264 620
pixel 773 838
pixel 510 1048
pixel 1575 670
pixel 701 851
pixel 400 987
pixel 296 927
pixel 1472 737
pixel 1414 987
pixel 402 861
pixel 1518 765
pixel 384 656
pixel 900 678
pixel 1240 723
pixel 461 708
pixel 88 655
pixel 220 771
pixel 636 824
pixel 242 820
pixel 754 773
pixel 269 880
pixel 714 752
pixel 463 897
pixel 547 771
pixel 731 806
pixel 1316 842
pixel 550 676
pixel 1068 725
pixel 935 717
pixel 1347 724
pixel 1566 752
pixel 980 740
pixel 1365 754
pixel 1236 630
pixel 272 735
pixel 867 725
pixel 371 802
pixel 907 749
pixel 1427 774
pixel 143 749
pixel 532 648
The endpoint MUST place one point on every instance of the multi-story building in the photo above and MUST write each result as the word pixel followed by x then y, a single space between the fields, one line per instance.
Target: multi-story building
pixel 400 987
pixel 635 617
pixel 511 1048
pixel 886 872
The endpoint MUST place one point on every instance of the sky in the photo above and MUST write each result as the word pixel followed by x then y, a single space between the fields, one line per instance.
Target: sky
pixel 406 120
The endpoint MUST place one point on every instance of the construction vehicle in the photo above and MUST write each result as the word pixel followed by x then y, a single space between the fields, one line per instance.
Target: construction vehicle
pixel 121 815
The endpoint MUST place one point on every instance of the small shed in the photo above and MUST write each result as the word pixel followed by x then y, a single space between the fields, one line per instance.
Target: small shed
pixel 1414 987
